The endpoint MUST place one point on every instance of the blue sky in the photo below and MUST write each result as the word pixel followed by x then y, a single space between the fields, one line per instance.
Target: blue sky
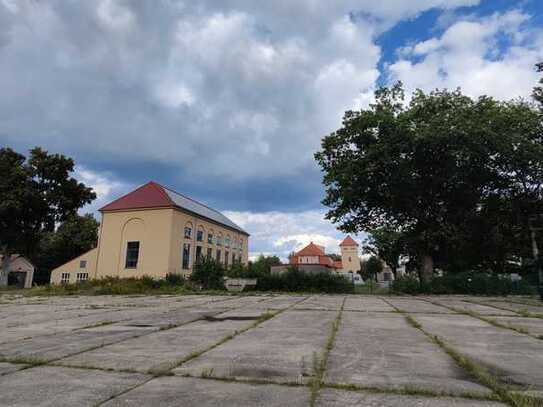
pixel 227 101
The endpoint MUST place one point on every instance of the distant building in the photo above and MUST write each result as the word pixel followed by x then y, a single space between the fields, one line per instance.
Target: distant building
pixel 313 259
pixel 20 271
pixel 153 231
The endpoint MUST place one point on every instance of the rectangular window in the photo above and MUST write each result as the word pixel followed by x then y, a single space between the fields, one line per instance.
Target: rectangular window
pixel 210 238
pixel 65 278
pixel 200 236
pixel 132 255
pixel 219 241
pixel 83 264
pixel 218 257
pixel 80 277
pixel 233 258
pixel 209 253
pixel 387 277
pixel 198 254
pixel 226 258
pixel 186 256
pixel 188 232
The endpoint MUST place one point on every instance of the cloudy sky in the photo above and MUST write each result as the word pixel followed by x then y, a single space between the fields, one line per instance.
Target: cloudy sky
pixel 226 101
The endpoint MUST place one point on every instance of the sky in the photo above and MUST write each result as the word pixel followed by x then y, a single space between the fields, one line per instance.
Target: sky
pixel 227 101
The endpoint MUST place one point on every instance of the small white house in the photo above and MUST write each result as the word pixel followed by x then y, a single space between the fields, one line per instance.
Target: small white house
pixel 20 271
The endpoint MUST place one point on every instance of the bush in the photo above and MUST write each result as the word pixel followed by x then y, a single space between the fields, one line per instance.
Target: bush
pixel 208 274
pixel 294 280
pixel 462 283
pixel 175 279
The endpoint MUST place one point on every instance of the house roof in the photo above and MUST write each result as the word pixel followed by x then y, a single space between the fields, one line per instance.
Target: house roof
pixel 310 250
pixel 153 195
pixel 338 264
pixel 348 241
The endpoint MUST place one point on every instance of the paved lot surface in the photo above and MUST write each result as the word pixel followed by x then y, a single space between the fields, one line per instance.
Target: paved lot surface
pixel 267 350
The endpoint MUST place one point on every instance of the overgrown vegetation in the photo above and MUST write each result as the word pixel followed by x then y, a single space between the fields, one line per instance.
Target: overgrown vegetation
pixel 462 283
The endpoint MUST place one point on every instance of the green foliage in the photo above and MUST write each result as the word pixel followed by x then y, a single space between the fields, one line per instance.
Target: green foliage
pixel 37 193
pixel 462 283
pixel 294 280
pixel 175 279
pixel 370 268
pixel 262 265
pixel 208 274
pixel 387 244
pixel 442 171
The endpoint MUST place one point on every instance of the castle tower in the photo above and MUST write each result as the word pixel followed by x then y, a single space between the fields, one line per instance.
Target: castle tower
pixel 349 255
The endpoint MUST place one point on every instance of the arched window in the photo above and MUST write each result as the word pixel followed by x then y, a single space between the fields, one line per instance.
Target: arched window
pixel 200 234
pixel 188 230
pixel 228 241
pixel 210 236
pixel 219 239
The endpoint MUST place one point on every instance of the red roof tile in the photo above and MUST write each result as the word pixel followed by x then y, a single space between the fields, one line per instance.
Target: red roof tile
pixel 348 241
pixel 310 250
pixel 150 195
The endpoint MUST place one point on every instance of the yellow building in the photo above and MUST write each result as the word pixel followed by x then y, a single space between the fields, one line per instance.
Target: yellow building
pixel 153 231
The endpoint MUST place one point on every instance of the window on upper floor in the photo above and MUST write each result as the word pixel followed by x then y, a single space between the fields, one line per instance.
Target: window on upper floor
pixel 210 237
pixel 198 254
pixel 219 240
pixel 188 230
pixel 209 252
pixel 82 264
pixel 132 255
pixel 200 235
pixel 227 241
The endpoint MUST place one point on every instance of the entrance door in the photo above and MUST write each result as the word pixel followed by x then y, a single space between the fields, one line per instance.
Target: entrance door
pixel 17 279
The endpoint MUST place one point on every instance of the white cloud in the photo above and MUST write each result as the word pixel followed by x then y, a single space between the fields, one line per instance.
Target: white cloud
pixel 105 185
pixel 281 233
pixel 469 54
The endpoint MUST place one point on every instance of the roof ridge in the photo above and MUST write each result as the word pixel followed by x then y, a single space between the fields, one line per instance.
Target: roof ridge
pixel 162 188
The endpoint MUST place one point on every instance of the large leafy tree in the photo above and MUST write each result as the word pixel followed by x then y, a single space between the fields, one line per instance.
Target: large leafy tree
pixel 388 244
pixel 430 167
pixel 37 193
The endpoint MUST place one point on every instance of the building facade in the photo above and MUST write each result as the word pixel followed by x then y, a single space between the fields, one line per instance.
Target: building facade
pixel 20 271
pixel 313 259
pixel 154 231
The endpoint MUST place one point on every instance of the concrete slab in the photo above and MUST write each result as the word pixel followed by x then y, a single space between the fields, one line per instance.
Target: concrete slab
pixel 280 349
pixel 516 358
pixel 532 325
pixel 160 350
pixel 477 308
pixel 280 302
pixel 339 398
pixel 384 350
pixel 413 305
pixel 6 368
pixel 368 304
pixel 51 347
pixel 321 302
pixel 516 307
pixel 58 386
pixel 177 391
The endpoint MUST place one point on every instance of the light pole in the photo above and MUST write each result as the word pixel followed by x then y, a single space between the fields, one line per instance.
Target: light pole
pixel 536 224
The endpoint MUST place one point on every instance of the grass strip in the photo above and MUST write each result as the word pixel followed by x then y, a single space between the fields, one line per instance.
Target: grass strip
pixel 481 373
pixel 320 362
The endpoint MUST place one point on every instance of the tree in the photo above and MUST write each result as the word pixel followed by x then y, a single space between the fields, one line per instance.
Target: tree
pixel 262 265
pixel 538 90
pixel 75 236
pixel 431 167
pixel 37 193
pixel 371 268
pixel 388 244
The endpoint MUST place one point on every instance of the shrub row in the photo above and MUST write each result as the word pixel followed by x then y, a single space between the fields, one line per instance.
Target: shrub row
pixel 294 280
pixel 463 283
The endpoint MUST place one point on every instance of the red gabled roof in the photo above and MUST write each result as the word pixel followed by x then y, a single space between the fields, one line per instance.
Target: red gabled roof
pixel 338 264
pixel 348 241
pixel 150 195
pixel 310 250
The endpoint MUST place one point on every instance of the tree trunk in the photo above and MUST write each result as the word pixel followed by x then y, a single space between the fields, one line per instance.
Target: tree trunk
pixel 6 259
pixel 427 271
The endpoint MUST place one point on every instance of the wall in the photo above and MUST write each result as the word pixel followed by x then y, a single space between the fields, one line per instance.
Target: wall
pixel 151 227
pixel 349 259
pixel 182 219
pixel 73 267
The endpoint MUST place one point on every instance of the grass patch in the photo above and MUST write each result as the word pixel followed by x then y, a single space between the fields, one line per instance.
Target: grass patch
pixel 320 362
pixel 31 361
pixel 410 390
pixel 95 325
